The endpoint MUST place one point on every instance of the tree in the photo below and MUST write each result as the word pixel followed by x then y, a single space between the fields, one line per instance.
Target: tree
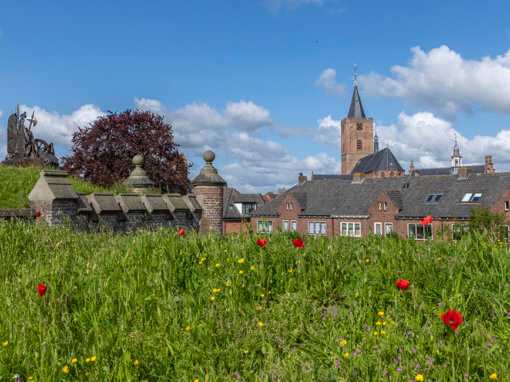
pixel 103 152
pixel 481 218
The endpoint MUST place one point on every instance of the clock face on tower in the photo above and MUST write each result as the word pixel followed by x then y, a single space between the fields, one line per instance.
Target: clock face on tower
pixel 359 126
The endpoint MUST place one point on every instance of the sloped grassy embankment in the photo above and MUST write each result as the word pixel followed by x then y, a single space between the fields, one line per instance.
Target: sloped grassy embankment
pixel 158 306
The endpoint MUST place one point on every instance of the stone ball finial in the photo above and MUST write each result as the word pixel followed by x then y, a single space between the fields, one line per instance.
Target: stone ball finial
pixel 138 160
pixel 209 156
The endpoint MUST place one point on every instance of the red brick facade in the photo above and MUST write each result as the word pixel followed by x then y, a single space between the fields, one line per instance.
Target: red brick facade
pixel 357 135
pixel 211 200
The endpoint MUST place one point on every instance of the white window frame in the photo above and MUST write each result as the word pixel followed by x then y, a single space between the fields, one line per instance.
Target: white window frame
pixel 477 195
pixel 265 226
pixel 317 228
pixel 386 225
pixel 378 224
pixel 422 227
pixel 467 197
pixel 285 225
pixel 385 206
pixel 346 228
pixel 293 225
pixel 380 206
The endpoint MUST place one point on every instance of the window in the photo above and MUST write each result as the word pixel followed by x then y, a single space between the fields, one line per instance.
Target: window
pixel 385 206
pixel 291 206
pixel 293 225
pixel 466 197
pixel 433 198
pixel 248 207
pixel 430 197
pixel 506 205
pixel 359 145
pixel 438 197
pixel 418 231
pixel 388 228
pixel 459 230
pixel 377 228
pixel 285 225
pixel 350 229
pixel 472 197
pixel 265 226
pixel 316 228
pixel 380 206
pixel 288 206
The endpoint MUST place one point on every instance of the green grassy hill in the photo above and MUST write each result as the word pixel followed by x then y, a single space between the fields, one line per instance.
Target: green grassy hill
pixel 155 306
pixel 17 182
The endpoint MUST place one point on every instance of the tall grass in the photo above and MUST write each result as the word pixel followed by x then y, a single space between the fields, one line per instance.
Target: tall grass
pixel 299 315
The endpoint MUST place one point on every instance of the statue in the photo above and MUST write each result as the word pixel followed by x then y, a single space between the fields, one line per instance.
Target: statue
pixel 22 147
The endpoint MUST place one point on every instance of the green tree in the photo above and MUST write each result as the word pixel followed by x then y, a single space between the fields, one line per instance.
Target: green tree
pixel 481 218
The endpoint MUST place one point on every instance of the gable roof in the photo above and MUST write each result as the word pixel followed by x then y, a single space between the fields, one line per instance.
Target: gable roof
pixel 338 198
pixel 231 196
pixel 356 109
pixel 475 169
pixel 381 160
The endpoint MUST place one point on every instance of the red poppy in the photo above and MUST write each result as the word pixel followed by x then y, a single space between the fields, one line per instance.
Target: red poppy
pixel 37 214
pixel 41 288
pixel 452 318
pixel 298 243
pixel 261 242
pixel 181 232
pixel 429 219
pixel 402 284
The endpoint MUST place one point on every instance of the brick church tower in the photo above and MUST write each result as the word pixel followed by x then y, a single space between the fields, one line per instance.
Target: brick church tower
pixel 357 134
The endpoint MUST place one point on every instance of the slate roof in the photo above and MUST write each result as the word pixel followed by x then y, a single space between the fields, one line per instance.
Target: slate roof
pixel 475 169
pixel 232 196
pixel 356 109
pixel 338 198
pixel 334 176
pixel 381 160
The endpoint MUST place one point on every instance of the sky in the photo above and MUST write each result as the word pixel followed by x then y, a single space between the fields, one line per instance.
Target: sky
pixel 265 83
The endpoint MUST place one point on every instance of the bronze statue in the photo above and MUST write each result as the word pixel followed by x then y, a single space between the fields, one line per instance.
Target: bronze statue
pixel 22 147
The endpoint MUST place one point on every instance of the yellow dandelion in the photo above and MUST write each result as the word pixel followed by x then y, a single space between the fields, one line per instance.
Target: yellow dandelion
pixel 200 262
pixel 240 261
pixel 252 267
pixel 384 323
pixel 438 259
pixel 65 369
pixel 217 265
pixel 343 342
pixel 367 260
pixel 136 362
pixel 419 377
pixel 188 328
pixel 93 359
pixel 494 376
pixel 212 298
pixel 346 355
pixel 228 258
pixel 383 332
pixel 290 271
pixel 378 323
pixel 7 281
pixel 262 295
pixel 259 307
pixel 74 360
pixel 375 333
pixel 87 360
pixel 225 250
pixel 260 324
pixel 195 380
pixel 5 343
pixel 228 283
pixel 380 314
pixel 241 272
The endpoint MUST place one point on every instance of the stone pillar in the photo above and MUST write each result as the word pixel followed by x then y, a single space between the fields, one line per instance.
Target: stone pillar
pixel 208 189
pixel 54 197
pixel 138 179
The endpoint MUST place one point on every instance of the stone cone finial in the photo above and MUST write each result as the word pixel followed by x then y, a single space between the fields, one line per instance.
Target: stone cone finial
pixel 138 178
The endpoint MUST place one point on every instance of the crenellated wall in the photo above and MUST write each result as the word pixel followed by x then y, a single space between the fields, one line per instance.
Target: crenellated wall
pixel 54 197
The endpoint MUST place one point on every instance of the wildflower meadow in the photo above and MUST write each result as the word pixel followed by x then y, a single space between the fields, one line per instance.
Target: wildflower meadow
pixel 170 305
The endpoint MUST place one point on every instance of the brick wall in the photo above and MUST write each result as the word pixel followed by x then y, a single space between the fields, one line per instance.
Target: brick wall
pixel 211 200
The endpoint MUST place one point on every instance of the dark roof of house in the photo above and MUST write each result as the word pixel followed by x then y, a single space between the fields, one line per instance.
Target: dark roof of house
pixel 334 176
pixel 336 198
pixel 232 196
pixel 381 160
pixel 356 109
pixel 475 169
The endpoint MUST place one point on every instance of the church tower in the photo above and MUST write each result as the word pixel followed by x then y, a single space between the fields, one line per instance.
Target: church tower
pixel 357 133
pixel 456 157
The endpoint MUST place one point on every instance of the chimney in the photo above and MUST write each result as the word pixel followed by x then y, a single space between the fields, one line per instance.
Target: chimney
pixel 463 172
pixel 357 177
pixel 489 166
pixel 302 178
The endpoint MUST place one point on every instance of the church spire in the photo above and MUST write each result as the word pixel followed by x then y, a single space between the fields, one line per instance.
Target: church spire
pixel 376 143
pixel 356 109
pixel 456 157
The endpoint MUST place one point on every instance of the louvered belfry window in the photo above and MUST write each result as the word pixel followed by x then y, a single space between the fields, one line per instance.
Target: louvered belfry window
pixel 359 144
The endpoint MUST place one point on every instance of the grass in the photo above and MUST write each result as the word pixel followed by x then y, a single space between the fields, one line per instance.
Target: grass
pixel 142 305
pixel 17 182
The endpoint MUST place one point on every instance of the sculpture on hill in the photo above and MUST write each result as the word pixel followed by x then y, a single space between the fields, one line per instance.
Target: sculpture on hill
pixel 22 147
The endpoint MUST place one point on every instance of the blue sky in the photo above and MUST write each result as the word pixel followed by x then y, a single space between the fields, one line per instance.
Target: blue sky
pixel 265 83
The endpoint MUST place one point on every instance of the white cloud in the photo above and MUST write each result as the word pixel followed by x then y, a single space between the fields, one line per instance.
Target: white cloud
pixel 328 132
pixel 327 80
pixel 447 83
pixel 247 115
pixel 428 141
pixel 153 105
pixel 1 113
pixel 276 5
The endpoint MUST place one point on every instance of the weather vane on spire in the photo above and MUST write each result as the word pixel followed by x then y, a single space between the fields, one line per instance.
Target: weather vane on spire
pixel 355 74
